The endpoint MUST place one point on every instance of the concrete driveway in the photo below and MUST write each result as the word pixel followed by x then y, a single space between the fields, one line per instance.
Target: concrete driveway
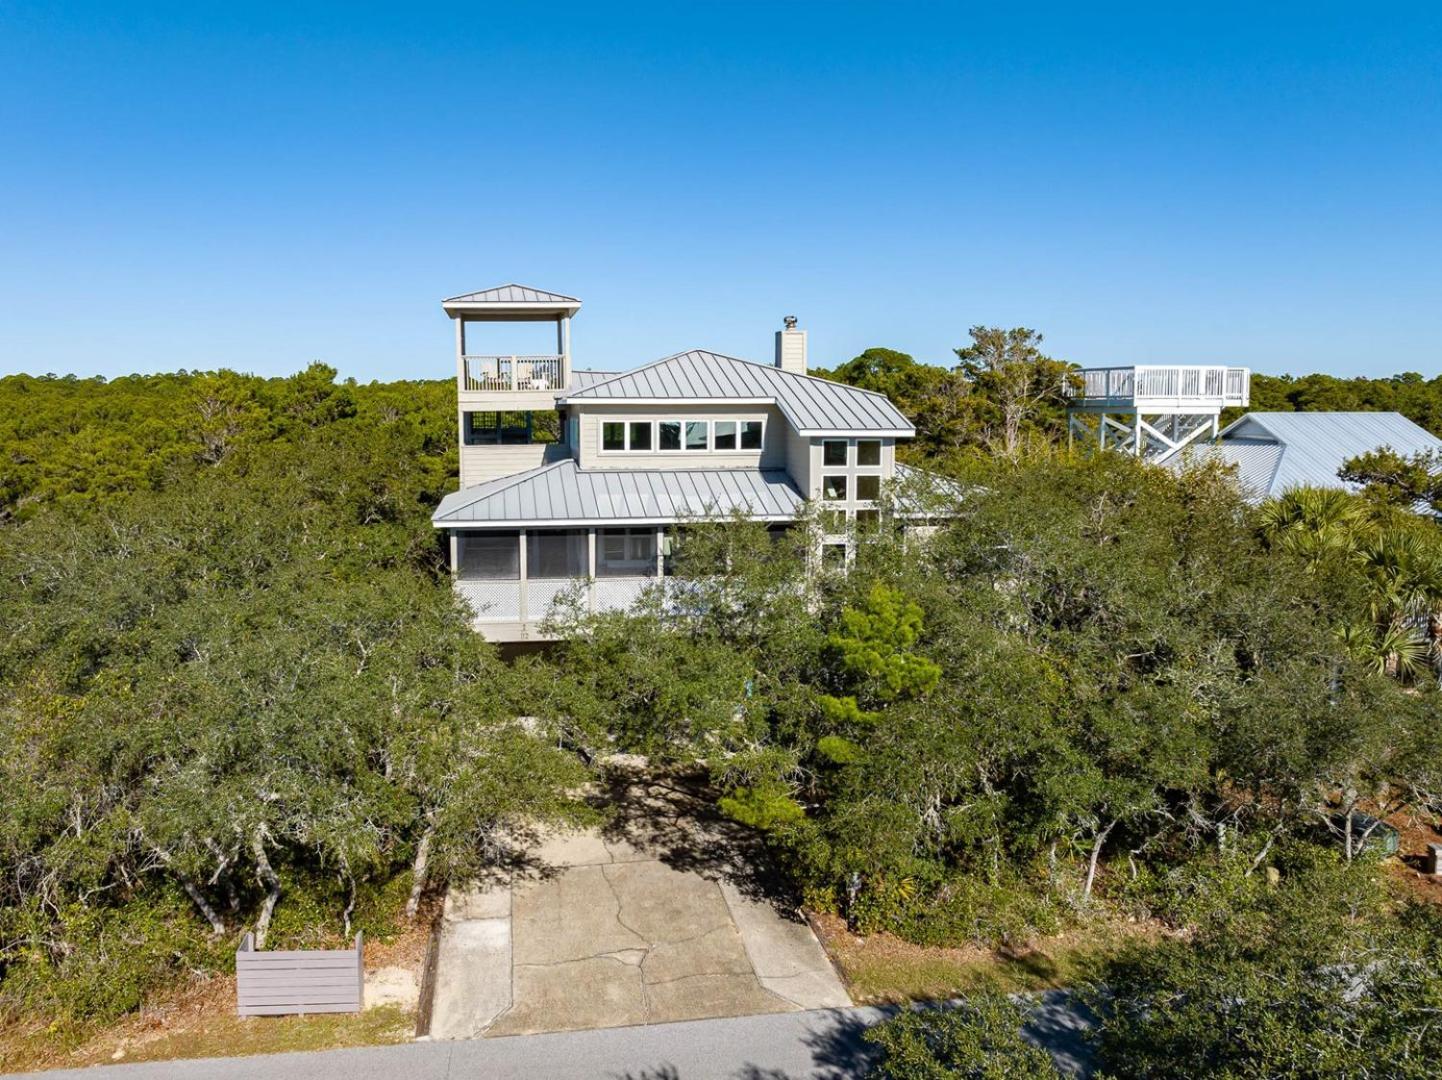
pixel 658 917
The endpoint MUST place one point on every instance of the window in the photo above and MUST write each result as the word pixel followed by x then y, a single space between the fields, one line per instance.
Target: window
pixel 868 452
pixel 833 452
pixel 670 432
pixel 751 434
pixel 833 522
pixel 558 553
pixel 725 434
pixel 868 488
pixel 833 488
pixel 490 556
pixel 671 542
pixel 640 435
pixel 634 435
pixel 868 519
pixel 833 556
pixel 613 435
pixel 493 428
pixel 626 553
pixel 697 434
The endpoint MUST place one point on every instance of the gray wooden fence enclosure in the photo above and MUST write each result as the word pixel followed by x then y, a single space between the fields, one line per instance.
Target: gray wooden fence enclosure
pixel 298 980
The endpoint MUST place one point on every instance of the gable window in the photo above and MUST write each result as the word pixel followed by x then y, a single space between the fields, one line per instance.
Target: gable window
pixel 833 488
pixel 751 431
pixel 725 434
pixel 670 435
pixel 868 488
pixel 833 452
pixel 868 452
pixel 698 434
pixel 639 433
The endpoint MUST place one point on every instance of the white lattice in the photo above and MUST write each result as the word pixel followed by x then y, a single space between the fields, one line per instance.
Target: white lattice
pixel 492 601
pixel 542 593
pixel 618 594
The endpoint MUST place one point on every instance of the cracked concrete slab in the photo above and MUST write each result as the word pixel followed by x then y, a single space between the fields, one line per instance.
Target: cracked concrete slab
pixel 573 916
pixel 607 934
pixel 473 977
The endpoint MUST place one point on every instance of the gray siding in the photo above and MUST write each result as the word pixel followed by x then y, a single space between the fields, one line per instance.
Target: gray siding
pixel 282 981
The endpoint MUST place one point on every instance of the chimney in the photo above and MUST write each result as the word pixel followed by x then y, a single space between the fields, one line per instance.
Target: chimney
pixel 791 347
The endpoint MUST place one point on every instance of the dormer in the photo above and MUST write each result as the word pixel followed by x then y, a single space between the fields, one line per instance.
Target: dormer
pixel 496 379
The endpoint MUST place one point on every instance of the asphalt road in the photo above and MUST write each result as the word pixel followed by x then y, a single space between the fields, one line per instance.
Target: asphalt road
pixel 820 1045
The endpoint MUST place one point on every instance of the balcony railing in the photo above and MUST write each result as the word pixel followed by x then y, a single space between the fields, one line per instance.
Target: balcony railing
pixel 1166 384
pixel 513 373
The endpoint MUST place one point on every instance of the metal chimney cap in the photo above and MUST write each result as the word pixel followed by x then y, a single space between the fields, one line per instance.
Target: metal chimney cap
pixel 790 322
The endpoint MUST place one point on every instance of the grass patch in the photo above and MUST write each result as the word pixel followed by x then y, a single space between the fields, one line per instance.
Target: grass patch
pixel 882 968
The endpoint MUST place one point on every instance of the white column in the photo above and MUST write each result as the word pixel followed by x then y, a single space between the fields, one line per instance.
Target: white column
pixel 455 553
pixel 564 333
pixel 591 569
pixel 461 352
pixel 524 589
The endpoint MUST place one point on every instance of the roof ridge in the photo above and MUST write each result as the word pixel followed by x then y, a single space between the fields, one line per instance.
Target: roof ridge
pixel 511 285
pixel 738 360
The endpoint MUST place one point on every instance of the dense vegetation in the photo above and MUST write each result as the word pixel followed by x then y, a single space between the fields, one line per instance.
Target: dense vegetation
pixel 237 692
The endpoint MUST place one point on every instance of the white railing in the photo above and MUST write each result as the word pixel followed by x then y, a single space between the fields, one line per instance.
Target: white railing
pixel 513 373
pixel 1171 384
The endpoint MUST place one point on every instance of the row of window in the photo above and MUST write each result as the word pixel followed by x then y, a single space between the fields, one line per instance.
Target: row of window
pixel 646 436
pixel 837 452
pixel 836 488
pixel 565 553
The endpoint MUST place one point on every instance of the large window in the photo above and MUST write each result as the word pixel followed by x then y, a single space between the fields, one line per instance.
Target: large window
pixel 833 488
pixel 868 452
pixel 687 436
pixel 868 488
pixel 626 553
pixel 557 553
pixel 833 452
pixel 490 556
pixel 499 428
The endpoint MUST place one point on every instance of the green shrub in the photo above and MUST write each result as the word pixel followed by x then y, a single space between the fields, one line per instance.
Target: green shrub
pixel 979 1039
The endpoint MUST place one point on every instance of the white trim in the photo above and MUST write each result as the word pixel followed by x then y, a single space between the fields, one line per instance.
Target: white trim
pixel 857 433
pixel 599 523
pixel 657 421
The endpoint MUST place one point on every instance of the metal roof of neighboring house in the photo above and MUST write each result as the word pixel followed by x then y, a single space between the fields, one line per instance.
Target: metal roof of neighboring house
pixel 1275 451
pixel 563 494
pixel 813 406
pixel 511 294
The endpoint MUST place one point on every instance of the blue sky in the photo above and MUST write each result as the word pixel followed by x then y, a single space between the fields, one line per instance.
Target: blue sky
pixel 201 185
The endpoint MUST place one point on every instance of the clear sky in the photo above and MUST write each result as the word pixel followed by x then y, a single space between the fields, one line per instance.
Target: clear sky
pixel 203 185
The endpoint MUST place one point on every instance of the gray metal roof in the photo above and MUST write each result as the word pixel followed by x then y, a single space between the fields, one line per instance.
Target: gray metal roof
pixel 813 406
pixel 1275 451
pixel 562 494
pixel 582 379
pixel 511 294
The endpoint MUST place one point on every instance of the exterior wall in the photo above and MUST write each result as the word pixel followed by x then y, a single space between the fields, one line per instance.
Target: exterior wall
pixel 506 400
pixel 802 461
pixel 589 454
pixel 481 463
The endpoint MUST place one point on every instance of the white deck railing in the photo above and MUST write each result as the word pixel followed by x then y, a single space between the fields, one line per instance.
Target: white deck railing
pixel 1175 385
pixel 513 373
pixel 506 602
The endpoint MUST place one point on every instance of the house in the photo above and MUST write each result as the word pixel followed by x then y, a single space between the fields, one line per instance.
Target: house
pixel 1275 451
pixel 575 480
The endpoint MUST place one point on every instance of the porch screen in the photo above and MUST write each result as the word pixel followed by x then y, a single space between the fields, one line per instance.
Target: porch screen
pixel 490 556
pixel 626 553
pixel 557 553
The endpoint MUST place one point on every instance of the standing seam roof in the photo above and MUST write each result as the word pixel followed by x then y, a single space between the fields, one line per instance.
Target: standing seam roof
pixel 809 403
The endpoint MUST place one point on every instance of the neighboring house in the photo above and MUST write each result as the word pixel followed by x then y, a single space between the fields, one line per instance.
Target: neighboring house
pixel 632 455
pixel 1275 451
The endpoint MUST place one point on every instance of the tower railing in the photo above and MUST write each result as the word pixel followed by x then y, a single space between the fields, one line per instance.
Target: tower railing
pixel 536 372
pixel 1176 384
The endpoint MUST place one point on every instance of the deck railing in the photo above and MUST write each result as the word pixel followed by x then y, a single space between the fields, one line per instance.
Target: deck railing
pixel 514 373
pixel 1201 384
